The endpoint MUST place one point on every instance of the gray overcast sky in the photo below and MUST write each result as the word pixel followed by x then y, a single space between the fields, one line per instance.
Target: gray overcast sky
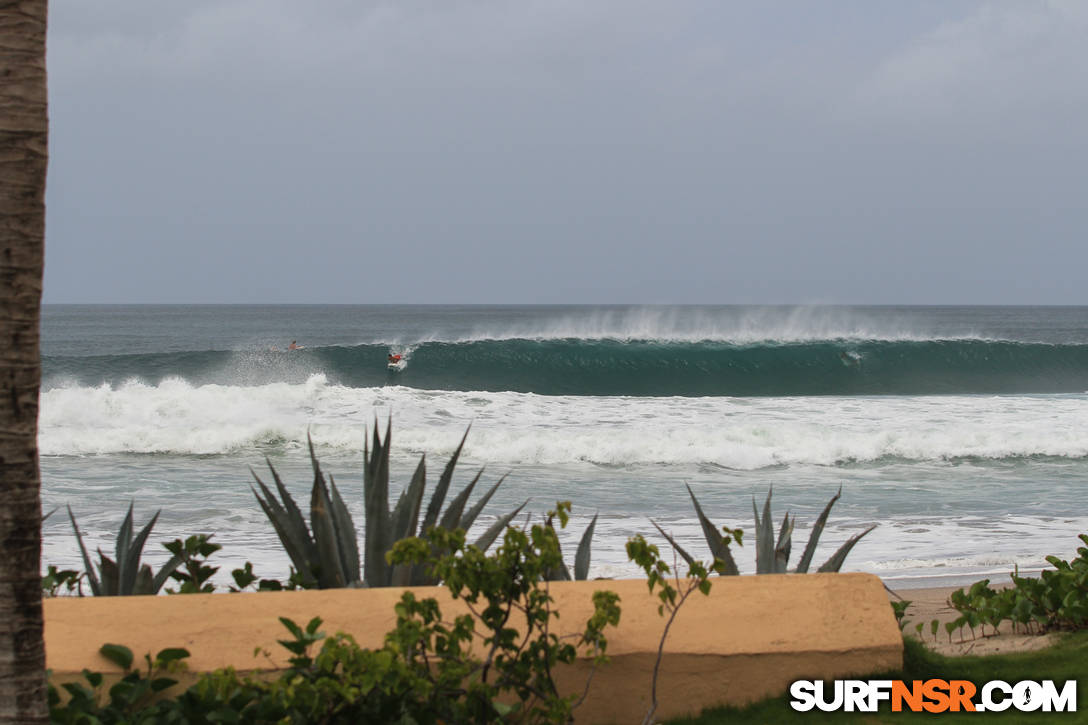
pixel 543 151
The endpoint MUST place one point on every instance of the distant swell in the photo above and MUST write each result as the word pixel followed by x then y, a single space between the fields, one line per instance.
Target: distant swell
pixel 575 366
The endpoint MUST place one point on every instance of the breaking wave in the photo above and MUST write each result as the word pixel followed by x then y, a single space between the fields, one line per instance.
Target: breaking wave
pixel 592 366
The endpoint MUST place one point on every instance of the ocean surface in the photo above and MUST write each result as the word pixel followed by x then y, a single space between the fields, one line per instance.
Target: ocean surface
pixel 961 431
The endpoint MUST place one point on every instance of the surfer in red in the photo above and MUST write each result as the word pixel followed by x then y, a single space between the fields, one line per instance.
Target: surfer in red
pixel 394 358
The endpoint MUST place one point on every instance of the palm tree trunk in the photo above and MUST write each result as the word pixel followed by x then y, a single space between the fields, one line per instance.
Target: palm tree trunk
pixel 24 129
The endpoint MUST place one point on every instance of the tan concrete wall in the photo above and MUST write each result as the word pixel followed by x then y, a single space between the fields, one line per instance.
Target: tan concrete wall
pixel 748 640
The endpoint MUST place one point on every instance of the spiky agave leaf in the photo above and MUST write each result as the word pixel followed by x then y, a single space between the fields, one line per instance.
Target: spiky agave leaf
pixel 96 587
pixel 110 578
pixel 329 555
pixel 470 516
pixel 451 517
pixel 672 542
pixel 346 536
pixel 764 537
pixel 160 576
pixel 124 576
pixel 131 567
pixel 814 537
pixel 434 508
pixel 419 575
pixel 486 539
pixel 382 530
pixel 292 512
pixel 455 515
pixel 124 541
pixel 406 513
pixel 581 557
pixel 293 534
pixel 376 505
pixel 782 548
pixel 334 531
pixel 402 525
pixel 330 568
pixel 558 573
pixel 839 557
pixel 331 571
pixel 718 548
pixel 145 583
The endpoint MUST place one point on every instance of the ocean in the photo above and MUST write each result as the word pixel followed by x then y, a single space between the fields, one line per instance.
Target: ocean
pixel 962 432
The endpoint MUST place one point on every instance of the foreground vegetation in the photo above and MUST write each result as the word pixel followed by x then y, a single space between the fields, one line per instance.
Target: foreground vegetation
pixel 477 668
pixel 481 667
pixel 1055 601
pixel 1066 660
pixel 344 683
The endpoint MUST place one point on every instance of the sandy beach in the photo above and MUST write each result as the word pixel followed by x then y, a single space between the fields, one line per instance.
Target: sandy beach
pixel 927 604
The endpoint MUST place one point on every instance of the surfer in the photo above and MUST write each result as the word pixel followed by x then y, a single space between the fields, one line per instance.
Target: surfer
pixel 294 345
pixel 394 358
pixel 850 359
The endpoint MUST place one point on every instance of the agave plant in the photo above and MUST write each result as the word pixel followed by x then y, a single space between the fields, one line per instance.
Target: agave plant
pixel 581 556
pixel 385 528
pixel 772 556
pixel 719 545
pixel 329 556
pixel 125 576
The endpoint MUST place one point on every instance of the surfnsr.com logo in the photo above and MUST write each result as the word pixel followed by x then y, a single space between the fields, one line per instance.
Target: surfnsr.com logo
pixel 933 696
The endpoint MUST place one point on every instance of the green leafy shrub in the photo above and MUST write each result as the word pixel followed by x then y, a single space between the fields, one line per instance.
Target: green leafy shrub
pixel 581 555
pixel 246 578
pixel 129 700
pixel 499 590
pixel 54 580
pixel 900 610
pixel 494 664
pixel 193 571
pixel 1057 599
pixel 672 594
pixel 342 683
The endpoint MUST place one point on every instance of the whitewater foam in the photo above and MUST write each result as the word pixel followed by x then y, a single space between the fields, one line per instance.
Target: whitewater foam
pixel 522 428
